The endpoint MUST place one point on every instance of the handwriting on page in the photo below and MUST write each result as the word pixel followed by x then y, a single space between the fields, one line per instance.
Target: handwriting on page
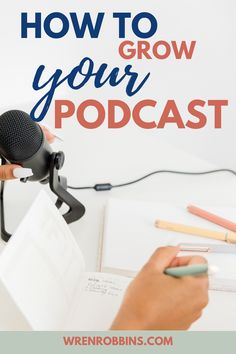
pixel 104 286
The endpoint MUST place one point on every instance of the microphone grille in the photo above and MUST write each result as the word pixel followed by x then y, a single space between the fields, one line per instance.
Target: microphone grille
pixel 20 136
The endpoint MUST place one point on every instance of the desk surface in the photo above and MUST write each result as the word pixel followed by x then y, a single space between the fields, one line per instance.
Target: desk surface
pixel 218 189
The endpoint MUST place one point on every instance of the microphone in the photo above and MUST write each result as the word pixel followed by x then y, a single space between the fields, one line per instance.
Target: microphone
pixel 23 142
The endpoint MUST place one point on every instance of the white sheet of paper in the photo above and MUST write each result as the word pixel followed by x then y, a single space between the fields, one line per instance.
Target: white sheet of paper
pixel 41 266
pixel 219 315
pixel 11 318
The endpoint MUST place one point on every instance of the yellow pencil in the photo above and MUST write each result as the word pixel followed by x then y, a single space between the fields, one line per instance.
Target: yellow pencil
pixel 197 231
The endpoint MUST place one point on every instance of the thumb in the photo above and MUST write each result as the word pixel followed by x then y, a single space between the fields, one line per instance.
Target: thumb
pixel 7 172
pixel 162 257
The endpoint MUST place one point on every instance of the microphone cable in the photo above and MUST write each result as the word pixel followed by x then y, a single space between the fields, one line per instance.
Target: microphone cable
pixel 100 187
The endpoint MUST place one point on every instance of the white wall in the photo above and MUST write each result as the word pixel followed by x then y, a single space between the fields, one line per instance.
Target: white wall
pixel 210 75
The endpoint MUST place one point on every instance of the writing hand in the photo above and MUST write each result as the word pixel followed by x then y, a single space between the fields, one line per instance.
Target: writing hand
pixel 155 301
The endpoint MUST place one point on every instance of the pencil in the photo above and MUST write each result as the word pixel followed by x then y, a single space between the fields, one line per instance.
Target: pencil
pixel 196 231
pixel 193 269
pixel 215 219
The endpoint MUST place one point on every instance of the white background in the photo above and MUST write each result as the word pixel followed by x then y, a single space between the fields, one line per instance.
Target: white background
pixel 209 75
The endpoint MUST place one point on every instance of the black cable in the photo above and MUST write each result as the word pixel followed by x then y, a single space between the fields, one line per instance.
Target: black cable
pixel 107 186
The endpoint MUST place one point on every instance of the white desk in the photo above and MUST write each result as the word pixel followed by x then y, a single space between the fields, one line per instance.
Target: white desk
pixel 217 189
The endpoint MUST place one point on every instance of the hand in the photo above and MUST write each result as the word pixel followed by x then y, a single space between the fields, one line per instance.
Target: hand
pixel 12 171
pixel 155 301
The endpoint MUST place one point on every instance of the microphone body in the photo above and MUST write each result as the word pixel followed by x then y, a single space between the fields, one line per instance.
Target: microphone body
pixel 39 162
pixel 22 142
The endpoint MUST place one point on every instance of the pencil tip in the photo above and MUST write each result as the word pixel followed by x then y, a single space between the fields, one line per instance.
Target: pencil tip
pixel 213 270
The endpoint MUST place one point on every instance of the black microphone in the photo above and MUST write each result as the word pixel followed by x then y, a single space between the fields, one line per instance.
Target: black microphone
pixel 22 142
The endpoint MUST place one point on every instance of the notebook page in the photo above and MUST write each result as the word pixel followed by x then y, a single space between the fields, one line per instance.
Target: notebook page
pixel 41 266
pixel 98 302
pixel 130 236
pixel 219 315
pixel 11 318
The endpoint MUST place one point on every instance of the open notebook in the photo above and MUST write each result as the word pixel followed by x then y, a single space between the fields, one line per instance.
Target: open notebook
pixel 129 238
pixel 43 283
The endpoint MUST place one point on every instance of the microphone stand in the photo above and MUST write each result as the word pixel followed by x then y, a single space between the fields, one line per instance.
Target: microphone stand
pixel 4 234
pixel 58 185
